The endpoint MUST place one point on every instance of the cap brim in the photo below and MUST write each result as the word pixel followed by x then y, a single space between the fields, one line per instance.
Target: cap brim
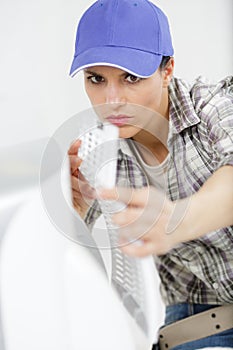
pixel 140 63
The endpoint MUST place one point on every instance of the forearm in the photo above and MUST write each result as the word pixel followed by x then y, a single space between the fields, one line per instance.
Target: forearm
pixel 210 208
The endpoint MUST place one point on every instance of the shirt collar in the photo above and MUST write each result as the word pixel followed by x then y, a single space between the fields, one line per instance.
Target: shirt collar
pixel 125 148
pixel 182 112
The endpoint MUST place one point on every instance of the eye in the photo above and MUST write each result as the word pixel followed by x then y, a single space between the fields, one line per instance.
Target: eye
pixel 132 79
pixel 95 79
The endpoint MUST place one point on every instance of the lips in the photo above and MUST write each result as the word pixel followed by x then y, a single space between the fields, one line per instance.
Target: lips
pixel 119 120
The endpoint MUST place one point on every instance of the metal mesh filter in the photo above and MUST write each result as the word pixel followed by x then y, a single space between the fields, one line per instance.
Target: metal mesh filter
pixel 132 278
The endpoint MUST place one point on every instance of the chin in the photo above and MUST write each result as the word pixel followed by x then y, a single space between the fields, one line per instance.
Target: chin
pixel 128 132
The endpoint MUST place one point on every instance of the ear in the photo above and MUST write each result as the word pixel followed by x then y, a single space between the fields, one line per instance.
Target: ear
pixel 168 72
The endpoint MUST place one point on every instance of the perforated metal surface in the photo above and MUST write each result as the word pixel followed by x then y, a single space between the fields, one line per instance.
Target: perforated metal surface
pixel 128 273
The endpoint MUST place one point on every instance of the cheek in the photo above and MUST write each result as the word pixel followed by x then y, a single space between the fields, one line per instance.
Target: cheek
pixel 150 100
pixel 150 96
pixel 93 94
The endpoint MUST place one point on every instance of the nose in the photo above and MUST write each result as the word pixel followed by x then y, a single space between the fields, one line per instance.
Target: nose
pixel 115 94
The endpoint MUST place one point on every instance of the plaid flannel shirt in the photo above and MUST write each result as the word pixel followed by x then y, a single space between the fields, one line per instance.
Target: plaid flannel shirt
pixel 200 141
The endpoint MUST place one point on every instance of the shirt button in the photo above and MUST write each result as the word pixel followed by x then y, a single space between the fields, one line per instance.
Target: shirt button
pixel 198 249
pixel 215 285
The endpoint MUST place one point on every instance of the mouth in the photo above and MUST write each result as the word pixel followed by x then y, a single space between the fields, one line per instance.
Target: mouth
pixel 119 120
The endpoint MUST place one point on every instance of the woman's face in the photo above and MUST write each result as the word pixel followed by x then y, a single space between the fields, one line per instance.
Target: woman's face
pixel 126 100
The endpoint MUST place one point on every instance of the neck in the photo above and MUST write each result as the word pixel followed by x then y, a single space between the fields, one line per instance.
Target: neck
pixel 164 105
pixel 153 144
pixel 154 135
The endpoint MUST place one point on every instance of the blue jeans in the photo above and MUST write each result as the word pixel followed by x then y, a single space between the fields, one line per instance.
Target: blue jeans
pixel 180 311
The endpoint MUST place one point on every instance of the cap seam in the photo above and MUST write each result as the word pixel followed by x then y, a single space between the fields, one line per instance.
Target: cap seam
pixel 118 46
pixel 113 22
pixel 152 6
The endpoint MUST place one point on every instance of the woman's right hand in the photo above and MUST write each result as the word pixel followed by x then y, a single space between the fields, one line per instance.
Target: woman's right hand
pixel 83 193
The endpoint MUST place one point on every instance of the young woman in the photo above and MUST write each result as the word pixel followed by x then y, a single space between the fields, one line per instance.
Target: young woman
pixel 178 139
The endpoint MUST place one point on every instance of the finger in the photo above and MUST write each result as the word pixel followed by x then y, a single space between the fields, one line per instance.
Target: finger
pixel 138 248
pixel 130 196
pixel 127 216
pixel 138 230
pixel 73 150
pixel 75 163
pixel 75 184
pixel 137 223
pixel 82 188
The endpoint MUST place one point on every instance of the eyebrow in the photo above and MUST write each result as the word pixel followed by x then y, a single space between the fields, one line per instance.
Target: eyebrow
pixel 95 73
pixel 90 72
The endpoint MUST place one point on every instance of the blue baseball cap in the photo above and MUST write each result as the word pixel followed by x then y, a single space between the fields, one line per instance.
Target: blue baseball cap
pixel 132 35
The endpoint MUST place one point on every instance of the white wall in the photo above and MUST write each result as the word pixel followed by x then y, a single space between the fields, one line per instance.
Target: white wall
pixel 202 36
pixel 37 41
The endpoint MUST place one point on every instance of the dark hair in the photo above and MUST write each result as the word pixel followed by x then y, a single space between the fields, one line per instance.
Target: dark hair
pixel 164 62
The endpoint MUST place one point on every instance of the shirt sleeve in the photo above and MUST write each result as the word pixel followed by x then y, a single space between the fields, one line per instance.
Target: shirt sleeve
pixel 220 128
pixel 92 215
